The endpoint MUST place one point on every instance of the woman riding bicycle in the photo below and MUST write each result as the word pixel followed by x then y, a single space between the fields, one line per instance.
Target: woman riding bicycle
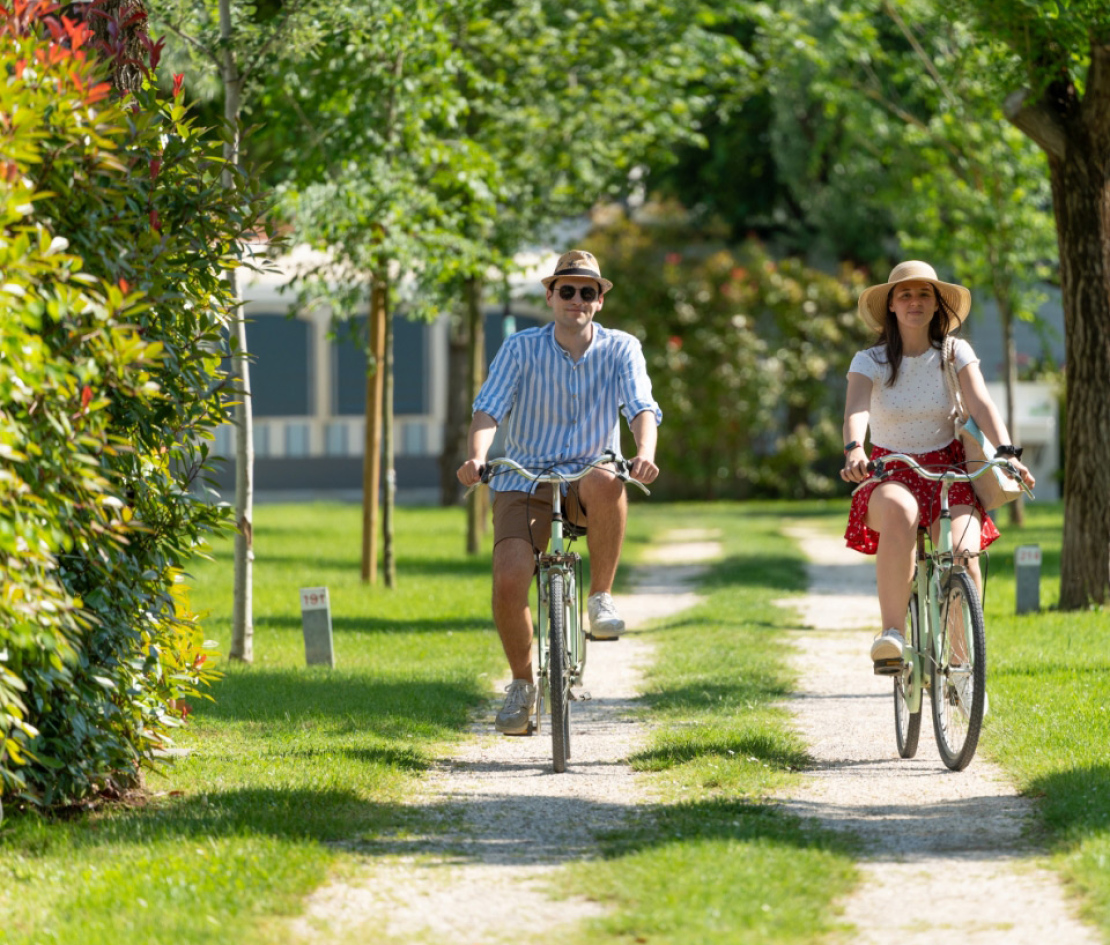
pixel 897 388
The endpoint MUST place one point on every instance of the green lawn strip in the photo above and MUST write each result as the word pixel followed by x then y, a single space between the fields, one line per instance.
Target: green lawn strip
pixel 715 861
pixel 288 757
pixel 1049 720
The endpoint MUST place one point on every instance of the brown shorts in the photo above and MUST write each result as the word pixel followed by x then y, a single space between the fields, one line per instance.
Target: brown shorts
pixel 528 517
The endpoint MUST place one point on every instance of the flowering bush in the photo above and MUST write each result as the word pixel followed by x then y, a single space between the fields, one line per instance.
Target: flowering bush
pixel 747 355
pixel 116 230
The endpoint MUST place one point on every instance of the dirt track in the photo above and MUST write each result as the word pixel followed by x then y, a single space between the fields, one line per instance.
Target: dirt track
pixel 946 853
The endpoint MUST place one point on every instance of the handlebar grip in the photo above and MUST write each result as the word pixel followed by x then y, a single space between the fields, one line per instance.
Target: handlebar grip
pixel 875 467
pixel 483 474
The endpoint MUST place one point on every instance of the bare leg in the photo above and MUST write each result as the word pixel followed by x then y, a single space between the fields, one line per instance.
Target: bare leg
pixel 514 563
pixel 606 505
pixel 892 512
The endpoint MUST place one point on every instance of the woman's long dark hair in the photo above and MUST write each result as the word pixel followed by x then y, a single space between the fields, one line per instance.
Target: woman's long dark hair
pixel 943 318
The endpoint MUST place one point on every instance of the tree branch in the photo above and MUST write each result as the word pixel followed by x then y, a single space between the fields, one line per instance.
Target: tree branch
pixel 275 34
pixel 195 43
pixel 1037 121
pixel 930 67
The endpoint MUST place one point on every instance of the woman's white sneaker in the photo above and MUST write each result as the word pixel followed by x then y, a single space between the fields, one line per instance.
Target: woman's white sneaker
pixel 886 653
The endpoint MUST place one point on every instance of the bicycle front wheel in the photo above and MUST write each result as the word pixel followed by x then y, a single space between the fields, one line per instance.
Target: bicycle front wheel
pixel 559 674
pixel 907 724
pixel 959 672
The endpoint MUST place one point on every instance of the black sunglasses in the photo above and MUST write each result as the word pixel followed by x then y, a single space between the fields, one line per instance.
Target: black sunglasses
pixel 567 292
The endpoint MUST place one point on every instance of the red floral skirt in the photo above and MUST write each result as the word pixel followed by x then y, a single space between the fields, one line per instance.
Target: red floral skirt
pixel 927 493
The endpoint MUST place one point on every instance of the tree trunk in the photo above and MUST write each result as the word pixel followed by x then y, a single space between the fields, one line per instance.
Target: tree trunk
pixel 124 43
pixel 372 442
pixel 478 504
pixel 242 621
pixel 458 412
pixel 388 504
pixel 1081 201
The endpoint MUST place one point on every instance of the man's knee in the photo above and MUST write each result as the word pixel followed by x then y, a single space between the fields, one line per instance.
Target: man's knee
pixel 602 487
pixel 513 567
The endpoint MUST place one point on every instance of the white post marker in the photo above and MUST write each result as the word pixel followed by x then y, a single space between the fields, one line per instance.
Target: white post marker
pixel 316 620
pixel 1027 570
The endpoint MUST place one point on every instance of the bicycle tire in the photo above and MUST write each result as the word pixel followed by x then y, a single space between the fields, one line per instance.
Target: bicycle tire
pixel 559 676
pixel 958 719
pixel 907 725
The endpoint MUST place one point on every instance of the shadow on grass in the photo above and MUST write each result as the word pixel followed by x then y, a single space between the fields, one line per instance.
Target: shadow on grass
pixel 692 744
pixel 1075 803
pixel 387 708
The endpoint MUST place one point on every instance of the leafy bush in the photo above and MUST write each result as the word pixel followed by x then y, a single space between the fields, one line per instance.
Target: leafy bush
pixel 116 230
pixel 747 356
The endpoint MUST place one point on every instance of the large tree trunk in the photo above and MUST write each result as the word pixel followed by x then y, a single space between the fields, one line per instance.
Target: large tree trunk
pixel 372 441
pixel 458 413
pixel 1081 200
pixel 1074 131
pixel 478 505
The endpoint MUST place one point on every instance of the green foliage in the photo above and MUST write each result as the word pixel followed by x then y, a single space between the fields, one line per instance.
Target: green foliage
pixel 116 231
pixel 746 355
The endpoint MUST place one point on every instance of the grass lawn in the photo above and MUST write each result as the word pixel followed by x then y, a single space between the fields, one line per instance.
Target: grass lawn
pixel 287 758
pixel 716 863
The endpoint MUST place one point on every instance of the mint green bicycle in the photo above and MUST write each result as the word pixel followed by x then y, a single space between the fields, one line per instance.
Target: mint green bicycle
pixel 560 634
pixel 946 646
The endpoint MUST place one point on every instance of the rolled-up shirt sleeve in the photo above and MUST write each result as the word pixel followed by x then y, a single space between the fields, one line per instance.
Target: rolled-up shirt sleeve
pixel 635 385
pixel 499 391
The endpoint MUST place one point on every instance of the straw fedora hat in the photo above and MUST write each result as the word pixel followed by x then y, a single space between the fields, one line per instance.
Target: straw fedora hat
pixel 578 263
pixel 873 301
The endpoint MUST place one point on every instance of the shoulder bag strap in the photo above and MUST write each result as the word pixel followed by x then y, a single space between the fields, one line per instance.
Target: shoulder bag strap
pixel 952 382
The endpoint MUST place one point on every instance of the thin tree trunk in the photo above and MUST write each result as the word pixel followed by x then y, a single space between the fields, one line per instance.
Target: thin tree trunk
pixel 455 424
pixel 389 561
pixel 242 625
pixel 478 504
pixel 372 443
pixel 1081 200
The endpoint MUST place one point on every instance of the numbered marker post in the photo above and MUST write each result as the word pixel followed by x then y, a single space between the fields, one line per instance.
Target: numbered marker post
pixel 316 619
pixel 1027 568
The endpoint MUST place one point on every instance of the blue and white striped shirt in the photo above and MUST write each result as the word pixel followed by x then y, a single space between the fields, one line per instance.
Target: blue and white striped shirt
pixel 564 412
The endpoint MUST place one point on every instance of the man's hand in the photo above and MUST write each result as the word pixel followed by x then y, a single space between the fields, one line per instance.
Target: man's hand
pixel 643 470
pixel 470 472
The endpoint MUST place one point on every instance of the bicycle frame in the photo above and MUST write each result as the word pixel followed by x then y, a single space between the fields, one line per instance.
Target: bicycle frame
pixel 931 571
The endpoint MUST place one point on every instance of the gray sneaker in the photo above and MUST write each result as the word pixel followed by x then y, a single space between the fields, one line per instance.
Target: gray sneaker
pixel 605 622
pixel 515 713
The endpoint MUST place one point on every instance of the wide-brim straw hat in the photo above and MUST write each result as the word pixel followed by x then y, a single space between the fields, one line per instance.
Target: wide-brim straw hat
pixel 873 302
pixel 578 263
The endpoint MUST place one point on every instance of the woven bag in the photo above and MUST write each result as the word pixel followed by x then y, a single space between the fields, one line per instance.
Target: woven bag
pixel 993 489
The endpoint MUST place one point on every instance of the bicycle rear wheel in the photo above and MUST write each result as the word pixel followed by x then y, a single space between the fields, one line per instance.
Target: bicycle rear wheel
pixel 959 673
pixel 907 724
pixel 559 674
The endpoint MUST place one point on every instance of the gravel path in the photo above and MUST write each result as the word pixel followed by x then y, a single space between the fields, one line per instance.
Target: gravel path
pixel 946 853
pixel 482 877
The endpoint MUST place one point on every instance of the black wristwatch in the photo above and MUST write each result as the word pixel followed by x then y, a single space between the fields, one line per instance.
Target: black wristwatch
pixel 1008 449
pixel 851 446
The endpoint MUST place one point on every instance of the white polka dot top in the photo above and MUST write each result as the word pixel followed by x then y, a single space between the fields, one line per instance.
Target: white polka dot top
pixel 916 414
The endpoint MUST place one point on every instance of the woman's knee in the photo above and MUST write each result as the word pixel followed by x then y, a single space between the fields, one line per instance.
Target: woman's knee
pixel 892 509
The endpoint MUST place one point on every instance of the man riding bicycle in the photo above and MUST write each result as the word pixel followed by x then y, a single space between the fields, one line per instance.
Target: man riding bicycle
pixel 566 384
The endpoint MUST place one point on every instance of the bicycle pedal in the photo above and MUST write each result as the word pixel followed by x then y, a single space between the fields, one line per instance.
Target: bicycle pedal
pixel 888 667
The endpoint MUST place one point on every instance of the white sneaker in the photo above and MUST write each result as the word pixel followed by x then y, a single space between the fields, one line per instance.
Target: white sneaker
pixel 515 713
pixel 605 622
pixel 888 645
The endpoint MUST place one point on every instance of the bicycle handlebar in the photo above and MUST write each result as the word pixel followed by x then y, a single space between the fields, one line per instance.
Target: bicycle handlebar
pixel 877 467
pixel 609 456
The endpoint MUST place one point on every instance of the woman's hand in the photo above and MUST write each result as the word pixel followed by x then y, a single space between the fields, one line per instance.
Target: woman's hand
pixel 1022 469
pixel 855 466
